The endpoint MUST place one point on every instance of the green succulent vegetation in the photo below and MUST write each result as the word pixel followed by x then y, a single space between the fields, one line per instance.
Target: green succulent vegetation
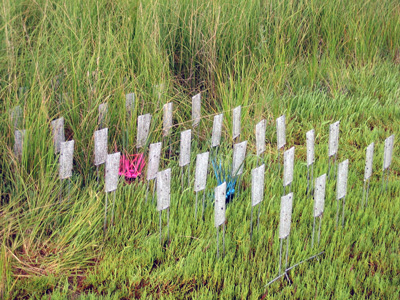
pixel 314 61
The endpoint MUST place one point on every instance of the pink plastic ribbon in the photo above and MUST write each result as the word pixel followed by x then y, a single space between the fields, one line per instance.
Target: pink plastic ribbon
pixel 131 166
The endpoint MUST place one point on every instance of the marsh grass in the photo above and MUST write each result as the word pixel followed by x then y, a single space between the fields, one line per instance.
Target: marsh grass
pixel 314 61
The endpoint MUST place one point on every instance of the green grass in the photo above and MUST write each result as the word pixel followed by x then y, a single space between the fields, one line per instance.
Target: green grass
pixel 314 61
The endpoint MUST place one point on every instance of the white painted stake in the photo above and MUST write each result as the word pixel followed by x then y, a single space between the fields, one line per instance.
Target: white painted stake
pixel 239 155
pixel 236 121
pixel 216 130
pixel 163 195
pixel 184 157
pixel 257 193
pixel 66 159
pixel 163 189
pixel 284 225
pixel 152 168
pixel 167 118
pixel 111 182
pixel 333 138
pixel 341 188
pixel 196 110
pixel 129 103
pixel 257 185
pixel 143 130
pixel 19 136
pixel 100 146
pixel 260 137
pixel 343 171
pixel 220 198
pixel 57 127
pixel 285 215
pixel 310 136
pixel 333 146
pixel 201 171
pixel 388 152
pixel 319 195
pixel 103 110
pixel 66 165
pixel 154 161
pixel 281 132
pixel 219 211
pixel 200 181
pixel 369 157
pixel 288 166
pixel 387 159
pixel 112 167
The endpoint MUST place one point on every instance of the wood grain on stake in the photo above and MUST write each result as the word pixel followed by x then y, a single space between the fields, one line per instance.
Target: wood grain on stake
pixel 369 157
pixel 57 127
pixel 19 142
pixel 281 132
pixel 154 160
pixel 260 137
pixel 310 136
pixel 288 159
pixel 219 209
pixel 167 118
pixel 100 146
pixel 285 215
pixel 388 152
pixel 196 109
pixel 201 172
pixel 184 157
pixel 333 138
pixel 66 159
pixel 257 185
pixel 343 171
pixel 112 167
pixel 319 195
pixel 236 121
pixel 216 130
pixel 130 103
pixel 143 130
pixel 239 154
pixel 163 189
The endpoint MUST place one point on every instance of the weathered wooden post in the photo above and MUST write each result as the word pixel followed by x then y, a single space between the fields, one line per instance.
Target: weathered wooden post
pixel 288 166
pixel 163 196
pixel 341 189
pixel 319 204
pixel 310 136
pixel 257 193
pixel 387 159
pixel 100 149
pixel 333 146
pixel 200 181
pixel 236 123
pixel 184 156
pixel 260 139
pixel 369 157
pixel 111 183
pixel 219 215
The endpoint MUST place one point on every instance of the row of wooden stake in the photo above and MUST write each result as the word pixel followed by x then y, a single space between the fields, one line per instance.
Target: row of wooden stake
pixel 162 179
